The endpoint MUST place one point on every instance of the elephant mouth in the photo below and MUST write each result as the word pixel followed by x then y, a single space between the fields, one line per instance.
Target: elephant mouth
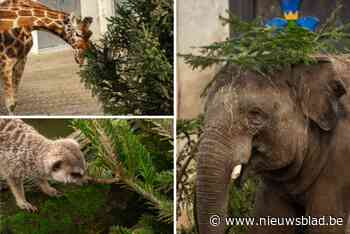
pixel 262 163
pixel 279 173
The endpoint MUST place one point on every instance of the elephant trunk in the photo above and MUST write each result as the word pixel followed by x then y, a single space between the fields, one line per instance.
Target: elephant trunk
pixel 218 155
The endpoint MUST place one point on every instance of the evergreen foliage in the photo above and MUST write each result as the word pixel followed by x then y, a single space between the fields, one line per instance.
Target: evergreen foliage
pixel 131 68
pixel 258 48
pixel 241 204
pixel 139 153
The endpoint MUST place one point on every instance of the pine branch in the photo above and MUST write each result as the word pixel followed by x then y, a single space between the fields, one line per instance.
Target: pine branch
pixel 120 150
pixel 131 68
pixel 265 50
pixel 94 180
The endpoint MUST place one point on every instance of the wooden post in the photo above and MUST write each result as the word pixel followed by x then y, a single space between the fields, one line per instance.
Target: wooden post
pixel 243 8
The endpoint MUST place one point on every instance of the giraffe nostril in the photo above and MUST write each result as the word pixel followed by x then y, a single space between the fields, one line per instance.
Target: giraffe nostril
pixel 13 107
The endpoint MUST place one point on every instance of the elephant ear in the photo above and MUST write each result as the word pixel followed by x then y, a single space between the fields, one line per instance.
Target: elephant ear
pixel 320 91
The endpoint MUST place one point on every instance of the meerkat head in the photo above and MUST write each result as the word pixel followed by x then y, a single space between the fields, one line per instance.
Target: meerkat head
pixel 65 162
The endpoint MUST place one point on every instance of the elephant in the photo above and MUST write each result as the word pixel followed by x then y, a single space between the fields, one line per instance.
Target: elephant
pixel 292 129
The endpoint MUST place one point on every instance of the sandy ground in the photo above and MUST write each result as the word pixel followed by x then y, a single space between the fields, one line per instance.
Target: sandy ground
pixel 51 86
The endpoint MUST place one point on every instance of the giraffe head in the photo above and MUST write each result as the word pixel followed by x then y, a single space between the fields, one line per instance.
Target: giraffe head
pixel 78 35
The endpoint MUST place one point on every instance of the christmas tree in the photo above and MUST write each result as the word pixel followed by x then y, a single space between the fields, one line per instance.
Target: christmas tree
pixel 131 68
pixel 138 154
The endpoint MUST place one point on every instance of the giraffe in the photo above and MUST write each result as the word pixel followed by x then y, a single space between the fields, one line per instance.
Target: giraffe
pixel 18 18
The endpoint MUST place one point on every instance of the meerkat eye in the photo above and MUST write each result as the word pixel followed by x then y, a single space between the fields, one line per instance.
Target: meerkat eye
pixel 56 166
pixel 76 175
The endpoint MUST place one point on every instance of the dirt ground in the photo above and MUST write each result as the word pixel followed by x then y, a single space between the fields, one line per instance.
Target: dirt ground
pixel 51 86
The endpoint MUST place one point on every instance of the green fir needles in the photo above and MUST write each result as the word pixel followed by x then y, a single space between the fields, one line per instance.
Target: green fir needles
pixel 130 69
pixel 255 47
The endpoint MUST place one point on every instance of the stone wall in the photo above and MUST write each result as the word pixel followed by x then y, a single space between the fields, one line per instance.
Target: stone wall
pixel 91 8
pixel 197 24
pixel 100 10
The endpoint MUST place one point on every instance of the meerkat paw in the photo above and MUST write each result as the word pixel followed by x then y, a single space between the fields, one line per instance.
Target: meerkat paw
pixel 27 206
pixel 48 190
pixel 52 192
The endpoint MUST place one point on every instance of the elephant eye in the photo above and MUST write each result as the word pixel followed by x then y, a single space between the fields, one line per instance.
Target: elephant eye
pixel 257 117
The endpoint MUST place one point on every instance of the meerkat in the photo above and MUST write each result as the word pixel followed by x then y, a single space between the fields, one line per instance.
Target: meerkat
pixel 25 153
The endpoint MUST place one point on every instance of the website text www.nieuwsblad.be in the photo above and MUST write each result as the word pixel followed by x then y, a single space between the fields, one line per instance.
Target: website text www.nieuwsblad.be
pixel 216 220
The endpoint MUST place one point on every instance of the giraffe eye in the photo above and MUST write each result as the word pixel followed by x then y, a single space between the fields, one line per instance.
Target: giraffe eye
pixel 79 34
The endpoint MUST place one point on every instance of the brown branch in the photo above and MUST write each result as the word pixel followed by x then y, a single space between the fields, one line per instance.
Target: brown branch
pixel 94 180
pixel 117 179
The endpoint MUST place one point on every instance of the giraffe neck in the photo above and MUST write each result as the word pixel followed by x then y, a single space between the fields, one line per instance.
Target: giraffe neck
pixel 42 19
pixel 53 23
pixel 16 14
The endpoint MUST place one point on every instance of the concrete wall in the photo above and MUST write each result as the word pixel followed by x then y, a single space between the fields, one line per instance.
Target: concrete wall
pixel 91 8
pixel 197 24
pixel 100 10
pixel 106 9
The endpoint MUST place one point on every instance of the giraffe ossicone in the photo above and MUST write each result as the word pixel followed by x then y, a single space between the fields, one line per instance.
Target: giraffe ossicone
pixel 18 18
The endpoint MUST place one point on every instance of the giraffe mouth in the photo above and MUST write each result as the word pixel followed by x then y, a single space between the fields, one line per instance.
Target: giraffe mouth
pixel 79 60
pixel 13 107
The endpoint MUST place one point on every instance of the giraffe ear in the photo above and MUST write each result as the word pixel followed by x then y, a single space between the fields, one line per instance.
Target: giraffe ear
pixel 88 35
pixel 66 19
pixel 88 21
pixel 72 16
pixel 75 20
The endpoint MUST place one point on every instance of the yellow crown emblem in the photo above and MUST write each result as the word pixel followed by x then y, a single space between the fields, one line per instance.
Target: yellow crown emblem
pixel 291 15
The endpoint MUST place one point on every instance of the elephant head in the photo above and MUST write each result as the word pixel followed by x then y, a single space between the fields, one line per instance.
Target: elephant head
pixel 265 122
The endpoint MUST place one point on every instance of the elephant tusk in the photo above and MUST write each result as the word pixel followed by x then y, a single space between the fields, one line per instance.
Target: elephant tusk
pixel 236 172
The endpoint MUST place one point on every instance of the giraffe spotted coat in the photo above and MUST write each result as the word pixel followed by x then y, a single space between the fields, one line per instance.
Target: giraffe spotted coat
pixel 18 18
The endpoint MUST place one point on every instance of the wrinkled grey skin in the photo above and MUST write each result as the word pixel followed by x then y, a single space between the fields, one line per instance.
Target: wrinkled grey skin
pixel 293 130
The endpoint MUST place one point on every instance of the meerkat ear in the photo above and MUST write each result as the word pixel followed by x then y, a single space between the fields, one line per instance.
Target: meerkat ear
pixel 69 141
pixel 73 141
